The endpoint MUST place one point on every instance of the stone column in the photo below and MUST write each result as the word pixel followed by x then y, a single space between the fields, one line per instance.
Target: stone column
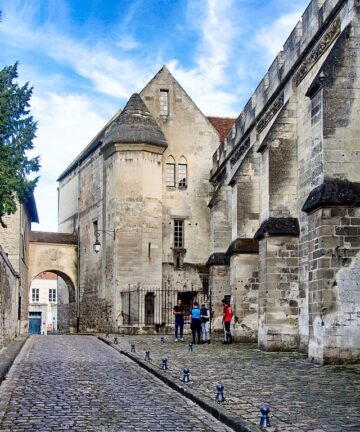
pixel 278 284
pixel 334 276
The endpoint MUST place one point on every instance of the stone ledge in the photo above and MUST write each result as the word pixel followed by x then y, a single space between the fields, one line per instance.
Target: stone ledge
pixel 236 423
pixel 333 193
pixel 243 246
pixel 52 237
pixel 218 258
pixel 278 227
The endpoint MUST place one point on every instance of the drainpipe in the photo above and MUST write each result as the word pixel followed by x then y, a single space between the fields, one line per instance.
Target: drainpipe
pixel 78 256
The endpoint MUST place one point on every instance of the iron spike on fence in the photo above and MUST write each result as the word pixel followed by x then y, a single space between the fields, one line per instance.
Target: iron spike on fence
pixel 132 347
pixel 164 363
pixel 264 418
pixel 220 394
pixel 186 377
pixel 147 355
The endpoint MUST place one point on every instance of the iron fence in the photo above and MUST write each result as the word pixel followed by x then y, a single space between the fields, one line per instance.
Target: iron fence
pixel 147 305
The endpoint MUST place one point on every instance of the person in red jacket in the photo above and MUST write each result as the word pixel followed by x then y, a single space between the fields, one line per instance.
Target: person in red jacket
pixel 227 317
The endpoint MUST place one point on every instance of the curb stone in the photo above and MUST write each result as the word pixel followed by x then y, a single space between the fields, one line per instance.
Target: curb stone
pixel 236 423
pixel 9 354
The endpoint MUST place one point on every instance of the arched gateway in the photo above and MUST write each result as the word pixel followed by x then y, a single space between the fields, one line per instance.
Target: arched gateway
pixel 57 253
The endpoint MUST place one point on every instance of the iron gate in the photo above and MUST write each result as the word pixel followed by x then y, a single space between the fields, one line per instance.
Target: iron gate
pixel 146 305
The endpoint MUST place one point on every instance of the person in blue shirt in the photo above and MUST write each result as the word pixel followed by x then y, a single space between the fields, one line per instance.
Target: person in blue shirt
pixel 195 322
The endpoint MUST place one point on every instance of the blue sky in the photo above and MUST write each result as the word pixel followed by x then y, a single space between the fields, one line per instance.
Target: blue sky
pixel 86 57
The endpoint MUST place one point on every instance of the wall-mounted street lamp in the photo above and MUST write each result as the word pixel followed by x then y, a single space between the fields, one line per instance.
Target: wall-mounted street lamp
pixel 97 244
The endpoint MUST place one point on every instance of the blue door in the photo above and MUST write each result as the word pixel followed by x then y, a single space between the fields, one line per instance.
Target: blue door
pixel 35 322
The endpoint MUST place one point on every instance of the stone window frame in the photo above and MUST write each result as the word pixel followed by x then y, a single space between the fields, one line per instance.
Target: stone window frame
pixel 170 172
pixel 35 295
pixel 182 172
pixel 164 102
pixel 52 295
pixel 179 234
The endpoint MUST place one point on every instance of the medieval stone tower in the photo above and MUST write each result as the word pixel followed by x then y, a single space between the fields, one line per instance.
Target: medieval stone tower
pixel 141 190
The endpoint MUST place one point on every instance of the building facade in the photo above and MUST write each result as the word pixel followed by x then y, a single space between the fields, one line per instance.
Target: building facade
pixel 285 227
pixel 140 190
pixel 14 240
pixel 275 226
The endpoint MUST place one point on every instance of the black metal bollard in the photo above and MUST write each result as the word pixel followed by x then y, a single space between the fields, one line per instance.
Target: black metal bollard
pixel 132 347
pixel 147 355
pixel 107 335
pixel 115 341
pixel 220 394
pixel 164 363
pixel 186 377
pixel 264 419
pixel 162 339
pixel 190 347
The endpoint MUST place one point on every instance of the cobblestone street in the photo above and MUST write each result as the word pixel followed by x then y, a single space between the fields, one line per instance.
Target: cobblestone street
pixel 302 396
pixel 78 383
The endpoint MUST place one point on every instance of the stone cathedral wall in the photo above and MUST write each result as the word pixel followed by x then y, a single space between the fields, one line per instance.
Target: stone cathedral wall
pixel 302 123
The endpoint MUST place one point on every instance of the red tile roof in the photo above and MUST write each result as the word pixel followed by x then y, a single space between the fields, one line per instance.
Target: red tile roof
pixel 222 125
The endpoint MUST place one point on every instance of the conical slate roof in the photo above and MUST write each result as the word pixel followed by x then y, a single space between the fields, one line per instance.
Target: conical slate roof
pixel 135 124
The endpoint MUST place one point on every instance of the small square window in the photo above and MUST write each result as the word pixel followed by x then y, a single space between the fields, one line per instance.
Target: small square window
pixel 52 295
pixel 35 294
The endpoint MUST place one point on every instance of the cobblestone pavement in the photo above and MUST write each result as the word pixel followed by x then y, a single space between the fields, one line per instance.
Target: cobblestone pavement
pixel 302 396
pixel 78 383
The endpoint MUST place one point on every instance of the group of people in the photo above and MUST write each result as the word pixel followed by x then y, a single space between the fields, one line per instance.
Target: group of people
pixel 200 322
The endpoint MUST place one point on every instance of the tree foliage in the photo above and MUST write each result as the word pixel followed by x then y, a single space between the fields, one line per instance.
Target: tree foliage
pixel 17 131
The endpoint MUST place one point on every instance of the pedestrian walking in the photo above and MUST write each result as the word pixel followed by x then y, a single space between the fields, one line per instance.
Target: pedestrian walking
pixel 227 317
pixel 178 312
pixel 195 322
pixel 205 323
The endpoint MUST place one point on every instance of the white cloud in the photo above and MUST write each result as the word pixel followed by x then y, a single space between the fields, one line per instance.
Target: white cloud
pixel 113 75
pixel 128 43
pixel 206 81
pixel 66 124
pixel 273 37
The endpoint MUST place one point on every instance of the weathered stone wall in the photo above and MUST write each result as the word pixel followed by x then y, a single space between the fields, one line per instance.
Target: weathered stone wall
pixel 193 143
pixel 15 241
pixel 303 119
pixel 9 299
pixel 334 284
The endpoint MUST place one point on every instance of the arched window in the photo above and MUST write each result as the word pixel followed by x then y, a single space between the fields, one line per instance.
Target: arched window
pixel 182 173
pixel 170 172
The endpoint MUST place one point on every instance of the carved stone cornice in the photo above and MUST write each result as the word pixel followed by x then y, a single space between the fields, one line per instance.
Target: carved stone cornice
pixel 333 193
pixel 278 227
pixel 239 151
pixel 270 113
pixel 319 49
pixel 218 258
pixel 243 246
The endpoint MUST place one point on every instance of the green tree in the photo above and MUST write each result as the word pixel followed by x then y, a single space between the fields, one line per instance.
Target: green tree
pixel 17 131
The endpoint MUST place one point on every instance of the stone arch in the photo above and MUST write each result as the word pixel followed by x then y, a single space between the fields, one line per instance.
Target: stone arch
pixel 57 253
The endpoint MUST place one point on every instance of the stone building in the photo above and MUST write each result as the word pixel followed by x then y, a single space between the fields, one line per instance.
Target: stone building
pixel 139 192
pixel 285 212
pixel 14 241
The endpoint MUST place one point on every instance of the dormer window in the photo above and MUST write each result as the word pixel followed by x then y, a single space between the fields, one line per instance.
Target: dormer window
pixel 164 102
